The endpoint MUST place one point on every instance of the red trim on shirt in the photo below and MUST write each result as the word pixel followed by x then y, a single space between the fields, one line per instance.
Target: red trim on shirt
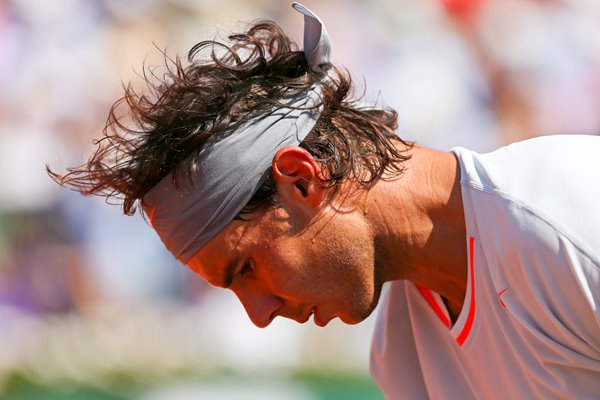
pixel 435 306
pixel 462 337
pixel 151 217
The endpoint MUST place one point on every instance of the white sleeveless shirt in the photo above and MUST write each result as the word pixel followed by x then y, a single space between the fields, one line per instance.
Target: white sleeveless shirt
pixel 530 324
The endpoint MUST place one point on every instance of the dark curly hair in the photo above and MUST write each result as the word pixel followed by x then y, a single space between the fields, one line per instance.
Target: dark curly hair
pixel 186 105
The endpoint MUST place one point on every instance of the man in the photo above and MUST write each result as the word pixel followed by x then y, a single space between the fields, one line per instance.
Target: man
pixel 262 176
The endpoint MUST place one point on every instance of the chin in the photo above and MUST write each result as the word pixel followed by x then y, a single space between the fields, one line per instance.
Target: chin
pixel 357 319
pixel 353 321
pixel 368 310
pixel 361 308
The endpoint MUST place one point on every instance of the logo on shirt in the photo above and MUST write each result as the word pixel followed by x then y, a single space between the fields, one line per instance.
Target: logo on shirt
pixel 500 293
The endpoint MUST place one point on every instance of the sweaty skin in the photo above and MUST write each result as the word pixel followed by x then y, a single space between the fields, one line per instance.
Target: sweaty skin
pixel 329 255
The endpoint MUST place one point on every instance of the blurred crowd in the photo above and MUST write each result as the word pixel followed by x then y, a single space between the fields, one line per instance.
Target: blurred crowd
pixel 85 292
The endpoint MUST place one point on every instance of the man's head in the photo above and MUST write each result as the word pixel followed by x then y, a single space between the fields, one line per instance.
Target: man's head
pixel 224 87
pixel 308 254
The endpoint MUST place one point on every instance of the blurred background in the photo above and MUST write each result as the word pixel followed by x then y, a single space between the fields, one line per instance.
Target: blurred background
pixel 92 307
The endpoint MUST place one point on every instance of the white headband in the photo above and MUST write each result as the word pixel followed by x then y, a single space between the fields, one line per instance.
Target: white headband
pixel 233 165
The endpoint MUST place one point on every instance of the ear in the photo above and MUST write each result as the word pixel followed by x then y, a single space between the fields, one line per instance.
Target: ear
pixel 298 176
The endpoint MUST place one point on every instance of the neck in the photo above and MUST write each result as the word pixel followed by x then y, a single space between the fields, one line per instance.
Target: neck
pixel 420 227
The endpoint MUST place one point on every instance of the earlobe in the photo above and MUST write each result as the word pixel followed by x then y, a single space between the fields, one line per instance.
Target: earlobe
pixel 298 176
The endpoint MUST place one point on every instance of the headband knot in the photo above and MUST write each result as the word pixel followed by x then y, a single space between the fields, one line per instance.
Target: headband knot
pixel 317 46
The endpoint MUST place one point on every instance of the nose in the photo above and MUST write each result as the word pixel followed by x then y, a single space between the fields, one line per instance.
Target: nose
pixel 261 307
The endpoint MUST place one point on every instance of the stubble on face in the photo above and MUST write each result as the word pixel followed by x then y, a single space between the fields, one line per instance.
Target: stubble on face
pixel 325 261
pixel 337 255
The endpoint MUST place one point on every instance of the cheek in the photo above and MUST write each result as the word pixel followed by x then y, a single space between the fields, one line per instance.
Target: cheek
pixel 337 263
pixel 282 263
pixel 349 249
pixel 349 260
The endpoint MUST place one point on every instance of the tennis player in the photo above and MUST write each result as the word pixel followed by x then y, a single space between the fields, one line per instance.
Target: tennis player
pixel 260 173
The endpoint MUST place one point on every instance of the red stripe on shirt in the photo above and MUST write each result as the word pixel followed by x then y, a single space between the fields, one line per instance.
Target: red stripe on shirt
pixel 151 217
pixel 462 337
pixel 435 306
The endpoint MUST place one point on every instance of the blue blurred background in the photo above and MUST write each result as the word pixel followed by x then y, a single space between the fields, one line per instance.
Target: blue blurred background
pixel 92 307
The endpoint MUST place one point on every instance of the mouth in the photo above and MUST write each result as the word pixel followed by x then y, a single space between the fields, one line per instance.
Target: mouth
pixel 316 317
pixel 307 316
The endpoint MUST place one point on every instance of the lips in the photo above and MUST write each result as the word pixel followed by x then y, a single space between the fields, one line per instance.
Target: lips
pixel 318 318
pixel 307 317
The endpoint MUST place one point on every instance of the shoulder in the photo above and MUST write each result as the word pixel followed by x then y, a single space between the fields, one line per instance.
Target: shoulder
pixel 554 180
pixel 533 206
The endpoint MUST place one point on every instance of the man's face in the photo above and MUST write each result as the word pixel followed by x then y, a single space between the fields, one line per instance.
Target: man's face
pixel 290 263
